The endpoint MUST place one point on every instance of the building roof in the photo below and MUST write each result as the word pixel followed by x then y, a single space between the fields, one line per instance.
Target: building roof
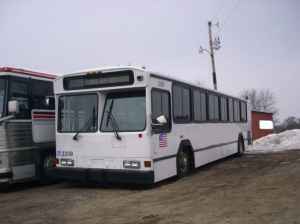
pixel 27 72
pixel 262 112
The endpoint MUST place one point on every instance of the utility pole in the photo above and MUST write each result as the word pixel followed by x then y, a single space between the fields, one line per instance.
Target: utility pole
pixel 213 45
pixel 212 56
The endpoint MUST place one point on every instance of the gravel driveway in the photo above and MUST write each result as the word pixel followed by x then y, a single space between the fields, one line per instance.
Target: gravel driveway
pixel 255 188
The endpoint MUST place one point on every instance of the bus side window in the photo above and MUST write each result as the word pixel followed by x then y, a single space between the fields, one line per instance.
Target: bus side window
pixel 199 105
pixel 237 115
pixel 160 105
pixel 230 110
pixel 213 107
pixel 41 90
pixel 19 91
pixel 224 109
pixel 243 111
pixel 181 103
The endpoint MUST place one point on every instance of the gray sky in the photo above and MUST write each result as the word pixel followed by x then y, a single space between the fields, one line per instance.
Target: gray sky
pixel 260 40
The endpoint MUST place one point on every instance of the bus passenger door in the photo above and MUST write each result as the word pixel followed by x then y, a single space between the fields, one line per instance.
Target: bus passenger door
pixel 161 121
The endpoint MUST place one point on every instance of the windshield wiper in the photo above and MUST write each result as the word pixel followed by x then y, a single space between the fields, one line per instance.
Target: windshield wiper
pixel 115 127
pixel 91 120
pixel 114 123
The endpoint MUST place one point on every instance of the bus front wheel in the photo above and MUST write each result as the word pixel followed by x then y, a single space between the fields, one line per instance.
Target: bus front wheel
pixel 47 162
pixel 183 163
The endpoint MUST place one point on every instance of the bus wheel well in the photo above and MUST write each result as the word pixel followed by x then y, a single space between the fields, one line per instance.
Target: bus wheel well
pixel 241 137
pixel 186 145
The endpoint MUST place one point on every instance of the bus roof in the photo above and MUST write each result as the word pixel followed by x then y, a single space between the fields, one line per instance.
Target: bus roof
pixel 28 72
pixel 103 69
pixel 152 73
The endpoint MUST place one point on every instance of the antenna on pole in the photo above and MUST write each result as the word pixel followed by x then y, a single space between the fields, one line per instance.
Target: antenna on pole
pixel 214 45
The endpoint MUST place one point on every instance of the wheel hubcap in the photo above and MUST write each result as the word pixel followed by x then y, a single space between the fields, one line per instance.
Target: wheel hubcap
pixel 241 147
pixel 184 163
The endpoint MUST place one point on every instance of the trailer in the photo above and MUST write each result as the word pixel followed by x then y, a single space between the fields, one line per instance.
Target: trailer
pixel 27 125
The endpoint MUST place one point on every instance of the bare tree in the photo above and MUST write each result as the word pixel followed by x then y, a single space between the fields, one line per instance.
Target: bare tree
pixel 288 124
pixel 261 100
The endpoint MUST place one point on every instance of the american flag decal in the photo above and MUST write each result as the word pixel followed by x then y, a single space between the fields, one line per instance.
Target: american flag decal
pixel 163 140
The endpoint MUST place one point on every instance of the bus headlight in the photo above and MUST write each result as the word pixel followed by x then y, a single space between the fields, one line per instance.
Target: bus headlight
pixel 132 164
pixel 67 162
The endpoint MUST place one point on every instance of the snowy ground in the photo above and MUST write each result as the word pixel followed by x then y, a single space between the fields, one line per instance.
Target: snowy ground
pixel 286 140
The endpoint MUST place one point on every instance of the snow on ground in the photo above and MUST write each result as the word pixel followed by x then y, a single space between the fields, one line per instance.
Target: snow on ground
pixel 286 140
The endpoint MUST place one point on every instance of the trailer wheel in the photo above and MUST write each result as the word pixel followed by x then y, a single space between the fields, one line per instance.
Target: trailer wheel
pixel 183 163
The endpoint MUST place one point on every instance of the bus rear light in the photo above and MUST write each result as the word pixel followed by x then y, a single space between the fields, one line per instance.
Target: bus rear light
pixel 147 163
pixel 131 164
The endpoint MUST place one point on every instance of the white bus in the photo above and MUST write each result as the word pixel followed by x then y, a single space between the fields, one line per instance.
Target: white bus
pixel 126 124
pixel 27 124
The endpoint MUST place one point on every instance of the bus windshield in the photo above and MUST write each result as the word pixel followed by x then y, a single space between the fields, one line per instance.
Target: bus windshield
pixel 124 112
pixel 78 113
pixel 2 95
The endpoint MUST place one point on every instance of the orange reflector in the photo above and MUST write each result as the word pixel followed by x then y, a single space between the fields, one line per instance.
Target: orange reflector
pixel 147 163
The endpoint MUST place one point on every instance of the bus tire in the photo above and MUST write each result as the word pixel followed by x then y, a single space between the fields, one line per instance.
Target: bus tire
pixel 46 164
pixel 241 146
pixel 183 163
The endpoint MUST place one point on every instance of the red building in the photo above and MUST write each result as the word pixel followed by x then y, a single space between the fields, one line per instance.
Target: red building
pixel 262 124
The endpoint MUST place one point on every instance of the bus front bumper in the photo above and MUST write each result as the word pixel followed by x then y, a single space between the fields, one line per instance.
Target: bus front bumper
pixel 103 175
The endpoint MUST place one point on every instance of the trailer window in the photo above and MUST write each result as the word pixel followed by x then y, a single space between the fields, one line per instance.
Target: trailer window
pixel 124 112
pixel 78 113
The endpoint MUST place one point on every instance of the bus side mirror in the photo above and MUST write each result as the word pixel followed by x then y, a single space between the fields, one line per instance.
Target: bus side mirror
pixel 13 107
pixel 50 102
pixel 160 121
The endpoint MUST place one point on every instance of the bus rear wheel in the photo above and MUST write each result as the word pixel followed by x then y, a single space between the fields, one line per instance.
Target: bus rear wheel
pixel 183 163
pixel 241 147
